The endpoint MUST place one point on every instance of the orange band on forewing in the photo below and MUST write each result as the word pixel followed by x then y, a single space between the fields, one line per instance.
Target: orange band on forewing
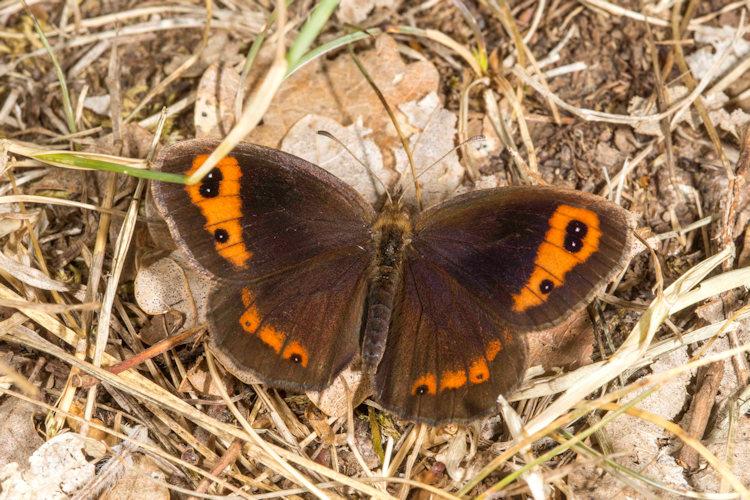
pixel 428 382
pixel 552 260
pixel 223 211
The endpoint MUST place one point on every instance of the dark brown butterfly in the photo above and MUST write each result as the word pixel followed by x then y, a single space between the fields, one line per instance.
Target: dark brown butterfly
pixel 311 276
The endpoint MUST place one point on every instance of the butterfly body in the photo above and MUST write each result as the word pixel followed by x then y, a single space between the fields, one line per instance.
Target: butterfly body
pixel 310 277
pixel 392 236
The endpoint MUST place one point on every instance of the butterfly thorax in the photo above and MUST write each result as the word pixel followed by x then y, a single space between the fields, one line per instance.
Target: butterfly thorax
pixel 392 235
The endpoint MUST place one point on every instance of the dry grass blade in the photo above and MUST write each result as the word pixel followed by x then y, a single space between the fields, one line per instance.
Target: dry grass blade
pixel 142 388
pixel 293 473
pixel 554 385
pixel 49 308
pixel 587 406
pixel 142 445
pixel 634 346
pixel 256 105
pixel 47 200
pixel 566 97
pixel 29 275
pixel 7 370
pixel 630 352
pixel 161 86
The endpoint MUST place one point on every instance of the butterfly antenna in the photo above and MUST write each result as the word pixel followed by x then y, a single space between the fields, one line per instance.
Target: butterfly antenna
pixel 392 116
pixel 364 165
pixel 467 141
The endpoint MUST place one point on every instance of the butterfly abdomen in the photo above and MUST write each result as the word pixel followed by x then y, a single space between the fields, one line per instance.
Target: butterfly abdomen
pixel 392 235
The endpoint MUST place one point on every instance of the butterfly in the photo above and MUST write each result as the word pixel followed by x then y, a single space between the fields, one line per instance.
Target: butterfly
pixel 435 304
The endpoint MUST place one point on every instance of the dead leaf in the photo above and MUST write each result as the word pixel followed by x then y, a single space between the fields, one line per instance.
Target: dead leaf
pixel 214 101
pixel 171 283
pixel 135 483
pixel 304 141
pixel 160 327
pixel 55 470
pixel 720 39
pixel 318 422
pixel 638 444
pixel 337 98
pixel 568 345
pixel 199 379
pixel 332 399
pixel 18 437
pixel 438 129
pixel 356 11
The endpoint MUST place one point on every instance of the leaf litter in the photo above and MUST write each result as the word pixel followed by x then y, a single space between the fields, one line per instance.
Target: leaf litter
pixel 422 80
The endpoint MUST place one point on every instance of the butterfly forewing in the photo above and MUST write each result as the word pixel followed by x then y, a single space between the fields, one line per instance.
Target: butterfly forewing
pixel 291 246
pixel 259 211
pixel 534 255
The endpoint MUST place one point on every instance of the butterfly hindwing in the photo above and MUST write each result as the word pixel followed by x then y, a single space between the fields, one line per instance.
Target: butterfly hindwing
pixel 447 356
pixel 297 328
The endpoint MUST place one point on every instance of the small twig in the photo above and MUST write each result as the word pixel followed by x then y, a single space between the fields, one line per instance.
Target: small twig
pixel 709 378
pixel 87 381
pixel 225 461
pixel 737 184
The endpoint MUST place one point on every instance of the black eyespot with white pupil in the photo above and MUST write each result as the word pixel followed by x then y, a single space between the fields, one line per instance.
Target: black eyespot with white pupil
pixel 575 232
pixel 546 286
pixel 296 358
pixel 421 390
pixel 210 184
pixel 576 227
pixel 221 235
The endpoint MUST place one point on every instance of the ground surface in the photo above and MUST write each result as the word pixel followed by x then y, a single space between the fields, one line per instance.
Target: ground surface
pixel 589 125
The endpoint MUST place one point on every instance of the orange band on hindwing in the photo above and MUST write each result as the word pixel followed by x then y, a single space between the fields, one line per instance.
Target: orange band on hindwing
pixel 250 321
pixel 452 379
pixel 573 236
pixel 217 196
pixel 295 352
pixel 479 373
pixel 426 384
